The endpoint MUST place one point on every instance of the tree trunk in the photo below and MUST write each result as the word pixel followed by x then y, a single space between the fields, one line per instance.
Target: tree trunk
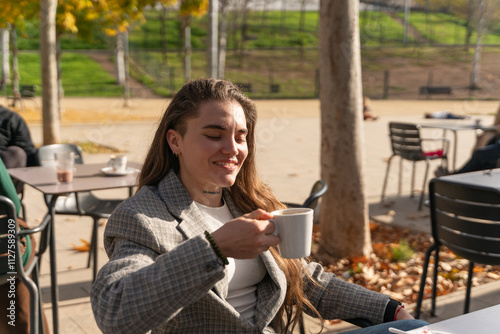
pixel 60 89
pixel 344 221
pixel 213 54
pixel 15 61
pixel 244 38
pixel 283 16
pixel 120 59
pixel 302 19
pixel 186 28
pixel 222 38
pixel 477 51
pixel 187 56
pixel 126 84
pixel 51 131
pixel 4 40
pixel 468 24
pixel 163 34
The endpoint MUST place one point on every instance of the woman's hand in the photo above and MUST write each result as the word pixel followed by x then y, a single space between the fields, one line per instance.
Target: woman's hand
pixel 247 236
pixel 403 314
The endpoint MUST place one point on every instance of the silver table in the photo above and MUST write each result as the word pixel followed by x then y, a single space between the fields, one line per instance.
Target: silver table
pixel 485 321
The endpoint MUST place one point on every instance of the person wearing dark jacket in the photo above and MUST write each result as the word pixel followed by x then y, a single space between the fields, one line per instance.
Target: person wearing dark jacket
pixel 16 146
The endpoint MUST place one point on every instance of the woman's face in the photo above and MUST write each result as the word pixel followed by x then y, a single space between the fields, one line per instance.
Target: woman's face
pixel 213 149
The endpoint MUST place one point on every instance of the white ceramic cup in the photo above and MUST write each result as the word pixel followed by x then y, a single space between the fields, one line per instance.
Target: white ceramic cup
pixel 118 163
pixel 65 162
pixel 294 227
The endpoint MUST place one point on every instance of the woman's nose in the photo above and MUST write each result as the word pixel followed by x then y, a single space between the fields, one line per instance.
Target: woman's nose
pixel 230 147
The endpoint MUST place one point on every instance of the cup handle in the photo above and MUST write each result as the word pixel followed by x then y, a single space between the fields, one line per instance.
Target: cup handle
pixel 275 227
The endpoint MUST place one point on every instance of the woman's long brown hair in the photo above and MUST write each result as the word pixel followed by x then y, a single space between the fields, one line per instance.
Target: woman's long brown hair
pixel 248 191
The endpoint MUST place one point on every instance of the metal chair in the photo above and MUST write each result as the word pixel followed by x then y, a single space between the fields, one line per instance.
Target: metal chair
pixel 407 144
pixel 465 219
pixel 11 259
pixel 319 189
pixel 82 203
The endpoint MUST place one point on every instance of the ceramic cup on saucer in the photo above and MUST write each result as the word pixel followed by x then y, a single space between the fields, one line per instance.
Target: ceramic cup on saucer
pixel 118 162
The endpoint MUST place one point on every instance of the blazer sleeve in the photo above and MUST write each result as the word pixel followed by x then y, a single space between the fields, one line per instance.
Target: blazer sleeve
pixel 146 281
pixel 337 299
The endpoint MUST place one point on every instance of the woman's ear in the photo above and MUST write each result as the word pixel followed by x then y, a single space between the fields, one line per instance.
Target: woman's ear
pixel 173 140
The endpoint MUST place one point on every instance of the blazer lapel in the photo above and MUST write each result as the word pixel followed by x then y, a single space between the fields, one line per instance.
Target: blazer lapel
pixel 271 292
pixel 192 222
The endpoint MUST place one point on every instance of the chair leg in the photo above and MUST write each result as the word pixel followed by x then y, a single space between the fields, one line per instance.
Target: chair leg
pixel 400 176
pixel 421 204
pixel 35 274
pixel 23 210
pixel 34 302
pixel 93 248
pixel 469 287
pixel 93 237
pixel 422 280
pixel 435 280
pixel 386 177
pixel 412 192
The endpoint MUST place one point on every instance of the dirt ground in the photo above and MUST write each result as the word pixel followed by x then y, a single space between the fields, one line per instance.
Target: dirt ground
pixel 406 76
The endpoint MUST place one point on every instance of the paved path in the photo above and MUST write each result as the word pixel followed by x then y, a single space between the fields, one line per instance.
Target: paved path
pixel 288 133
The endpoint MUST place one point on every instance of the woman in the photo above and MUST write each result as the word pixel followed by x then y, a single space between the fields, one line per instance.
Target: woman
pixel 179 259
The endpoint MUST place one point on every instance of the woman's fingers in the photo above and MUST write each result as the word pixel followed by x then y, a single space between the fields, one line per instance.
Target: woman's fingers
pixel 259 215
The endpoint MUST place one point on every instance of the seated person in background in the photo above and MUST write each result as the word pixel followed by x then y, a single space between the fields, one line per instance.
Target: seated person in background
pixel 485 154
pixel 487 157
pixel 28 252
pixel 445 114
pixel 193 251
pixel 16 146
pixel 367 110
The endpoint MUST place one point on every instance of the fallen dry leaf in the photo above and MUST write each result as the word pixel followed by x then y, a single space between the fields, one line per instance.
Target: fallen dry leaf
pixel 84 247
pixel 401 280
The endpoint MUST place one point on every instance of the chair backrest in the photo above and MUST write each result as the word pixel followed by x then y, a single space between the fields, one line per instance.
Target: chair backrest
pixel 8 224
pixel 466 219
pixel 28 91
pixel 405 141
pixel 319 189
pixel 46 153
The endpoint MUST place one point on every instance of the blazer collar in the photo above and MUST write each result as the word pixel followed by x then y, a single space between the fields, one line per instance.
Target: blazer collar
pixel 191 220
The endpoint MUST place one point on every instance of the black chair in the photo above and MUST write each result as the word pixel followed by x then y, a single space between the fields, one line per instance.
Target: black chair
pixel 25 92
pixel 407 144
pixel 10 264
pixel 319 189
pixel 82 203
pixel 465 219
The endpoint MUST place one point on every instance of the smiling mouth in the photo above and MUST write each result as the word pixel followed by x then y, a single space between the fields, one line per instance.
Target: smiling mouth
pixel 226 164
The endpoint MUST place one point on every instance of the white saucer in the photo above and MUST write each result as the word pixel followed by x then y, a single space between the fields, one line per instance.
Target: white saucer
pixel 112 172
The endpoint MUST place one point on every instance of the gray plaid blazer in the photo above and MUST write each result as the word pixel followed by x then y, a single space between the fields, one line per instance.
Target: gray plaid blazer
pixel 164 277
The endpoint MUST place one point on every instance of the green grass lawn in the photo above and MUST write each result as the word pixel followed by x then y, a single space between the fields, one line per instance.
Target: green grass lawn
pixel 81 76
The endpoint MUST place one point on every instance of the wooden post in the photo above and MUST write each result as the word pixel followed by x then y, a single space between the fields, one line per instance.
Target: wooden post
pixel 386 84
